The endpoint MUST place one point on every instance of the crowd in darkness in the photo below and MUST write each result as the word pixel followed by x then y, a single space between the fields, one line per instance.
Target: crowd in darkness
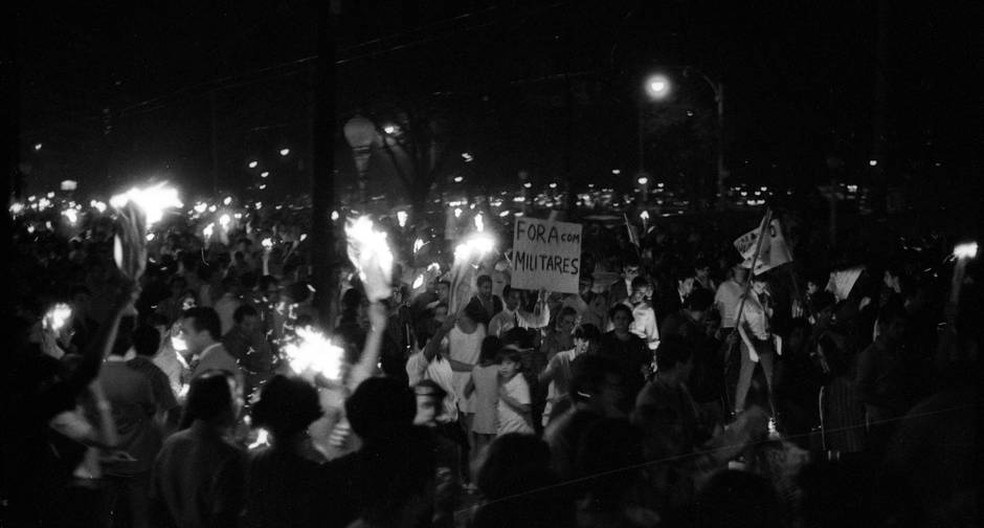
pixel 675 388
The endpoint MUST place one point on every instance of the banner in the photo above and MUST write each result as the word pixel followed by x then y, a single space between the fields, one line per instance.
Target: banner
pixel 774 251
pixel 546 255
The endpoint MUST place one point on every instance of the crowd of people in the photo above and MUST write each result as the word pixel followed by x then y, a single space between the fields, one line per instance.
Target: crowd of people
pixel 676 388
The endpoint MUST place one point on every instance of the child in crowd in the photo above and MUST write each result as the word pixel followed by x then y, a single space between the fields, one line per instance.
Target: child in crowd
pixel 485 384
pixel 514 394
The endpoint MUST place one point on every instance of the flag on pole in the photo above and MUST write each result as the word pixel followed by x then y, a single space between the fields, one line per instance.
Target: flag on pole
pixel 773 251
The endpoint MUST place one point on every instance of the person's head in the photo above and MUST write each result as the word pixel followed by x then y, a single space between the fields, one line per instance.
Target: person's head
pixel 621 317
pixel 484 284
pixel 509 360
pixel 640 289
pixel 440 312
pixel 200 327
pixel 430 402
pixel 381 409
pixel 269 287
pixel 685 282
pixel 586 338
pixel 490 347
pixel 566 320
pixel 739 273
pixel 287 406
pixel 674 357
pixel 246 318
pixel 512 297
pixel 146 341
pixel 892 320
pixel 520 338
pixel 702 269
pixel 473 313
pixel 630 268
pixel 596 381
pixel 211 399
pixel 759 284
pixel 585 283
pixel 515 463
pixel 443 290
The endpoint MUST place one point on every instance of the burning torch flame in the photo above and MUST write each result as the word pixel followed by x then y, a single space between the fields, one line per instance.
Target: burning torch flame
pixel 72 215
pixel 313 351
pixel 57 316
pixel 966 250
pixel 401 218
pixel 479 222
pixel 224 221
pixel 371 255
pixel 267 243
pixel 209 230
pixel 417 245
pixel 153 201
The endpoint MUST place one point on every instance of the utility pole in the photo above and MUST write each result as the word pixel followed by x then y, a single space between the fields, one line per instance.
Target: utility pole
pixel 323 167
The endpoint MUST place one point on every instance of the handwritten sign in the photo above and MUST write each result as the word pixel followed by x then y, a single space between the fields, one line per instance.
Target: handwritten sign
pixel 546 255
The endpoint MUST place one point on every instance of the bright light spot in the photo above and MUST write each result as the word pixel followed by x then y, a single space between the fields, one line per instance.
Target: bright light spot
pixel 504 214
pixel 209 230
pixel 16 208
pixel 467 157
pixel 852 188
pixel 228 200
pixel 57 316
pixel 238 216
pixel 30 229
pixel 334 214
pixel 527 185
pixel 401 218
pixel 390 129
pixel 873 163
pixel 763 189
pixel 303 237
pixel 479 244
pixel 479 222
pixel 264 174
pixel 200 207
pixel 457 212
pixel 224 221
pixel 32 198
pixel 643 180
pixel 69 185
pixel 418 245
pixel 43 204
pixel 553 185
pixel 418 282
pixel 967 250
pixel 690 113
pixel 98 206
pixel 72 215
pixel 284 151
pixel 644 215
pixel 313 351
pixel 259 205
pixel 267 243
pixel 458 179
pixel 152 201
pixel 51 194
pixel 37 146
pixel 657 87
pixel 262 439
pixel 262 186
pixel 616 172
pixel 253 164
pixel 150 237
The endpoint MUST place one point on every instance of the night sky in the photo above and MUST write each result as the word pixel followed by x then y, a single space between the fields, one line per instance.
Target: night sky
pixel 116 90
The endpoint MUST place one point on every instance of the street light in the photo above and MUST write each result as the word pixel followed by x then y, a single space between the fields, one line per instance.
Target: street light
pixel 360 134
pixel 656 87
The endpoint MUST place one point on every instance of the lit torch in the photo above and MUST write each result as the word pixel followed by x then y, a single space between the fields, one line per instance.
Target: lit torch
pixel 57 317
pixel 138 210
pixel 368 250
pixel 311 352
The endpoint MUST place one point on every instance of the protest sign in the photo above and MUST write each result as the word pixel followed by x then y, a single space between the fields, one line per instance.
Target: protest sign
pixel 546 255
pixel 773 252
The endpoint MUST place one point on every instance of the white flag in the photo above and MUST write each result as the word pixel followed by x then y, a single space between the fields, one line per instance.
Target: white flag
pixel 773 252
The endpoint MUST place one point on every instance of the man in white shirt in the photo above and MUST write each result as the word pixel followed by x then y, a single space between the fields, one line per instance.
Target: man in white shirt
pixel 513 316
pixel 728 297
pixel 644 322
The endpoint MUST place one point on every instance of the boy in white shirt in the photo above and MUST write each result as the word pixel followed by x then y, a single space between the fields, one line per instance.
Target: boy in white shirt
pixel 514 395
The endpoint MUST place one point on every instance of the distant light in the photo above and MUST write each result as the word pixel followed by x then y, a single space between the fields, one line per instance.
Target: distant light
pixel 16 208
pixel 69 185
pixel 212 208
pixel 643 180
pixel 852 188
pixel 657 87
pixel 51 194
pixel 284 151
pixel 467 157
pixel 238 216
pixel 457 212
pixel 72 215
pixel 262 186
pixel 37 146
pixel 690 113
pixel 32 198
pixel 527 185
pixel 873 163
pixel 458 179
pixel 98 206
pixel 150 237
pixel 303 237
pixel 228 200
pixel 553 185
pixel 334 214
pixel 253 164
pixel 616 172
pixel 479 222
pixel 763 188
pixel 644 215
pixel 967 250
pixel 401 218
pixel 390 129
pixel 224 221
pixel 259 205
pixel 264 174
pixel 200 207
pixel 504 214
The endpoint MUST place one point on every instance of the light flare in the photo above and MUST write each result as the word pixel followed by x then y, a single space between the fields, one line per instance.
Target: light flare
pixel 313 351
pixel 401 218
pixel 56 318
pixel 152 201
pixel 371 254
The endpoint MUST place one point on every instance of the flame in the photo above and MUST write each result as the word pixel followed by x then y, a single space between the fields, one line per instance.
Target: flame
pixel 312 350
pixel 262 439
pixel 371 254
pixel 479 222
pixel 152 201
pixel 209 230
pixel 401 218
pixel 418 245
pixel 224 221
pixel 72 215
pixel 57 317
pixel 267 243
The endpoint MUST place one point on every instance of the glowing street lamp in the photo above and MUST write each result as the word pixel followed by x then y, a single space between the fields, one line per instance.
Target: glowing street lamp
pixel 657 87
